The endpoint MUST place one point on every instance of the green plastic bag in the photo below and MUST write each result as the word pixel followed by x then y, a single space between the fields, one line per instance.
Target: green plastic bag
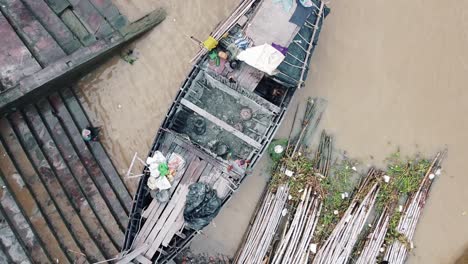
pixel 277 149
pixel 163 169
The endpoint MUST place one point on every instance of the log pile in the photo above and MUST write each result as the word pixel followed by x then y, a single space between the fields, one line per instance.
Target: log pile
pixel 295 239
pixel 339 245
pixel 293 247
pixel 301 222
pixel 397 252
pixel 264 228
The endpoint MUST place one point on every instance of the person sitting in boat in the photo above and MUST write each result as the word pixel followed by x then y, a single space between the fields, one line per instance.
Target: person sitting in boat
pixel 90 133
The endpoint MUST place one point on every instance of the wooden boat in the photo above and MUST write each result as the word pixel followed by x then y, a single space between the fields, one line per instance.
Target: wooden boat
pixel 61 198
pixel 222 120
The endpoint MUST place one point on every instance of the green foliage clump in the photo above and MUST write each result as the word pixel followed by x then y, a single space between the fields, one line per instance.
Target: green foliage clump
pixel 303 169
pixel 333 187
pixel 405 178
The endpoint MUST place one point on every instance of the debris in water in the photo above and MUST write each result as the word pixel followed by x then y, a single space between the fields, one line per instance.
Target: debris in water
pixel 129 56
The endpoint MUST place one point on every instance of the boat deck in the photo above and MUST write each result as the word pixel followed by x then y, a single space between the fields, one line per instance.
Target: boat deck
pixel 36 33
pixel 162 225
pixel 62 200
pixel 47 43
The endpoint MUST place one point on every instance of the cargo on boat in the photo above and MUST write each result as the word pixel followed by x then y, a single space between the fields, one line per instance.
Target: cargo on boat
pixel 222 120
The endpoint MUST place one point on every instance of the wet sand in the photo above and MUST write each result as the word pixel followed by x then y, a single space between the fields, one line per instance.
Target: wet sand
pixel 394 73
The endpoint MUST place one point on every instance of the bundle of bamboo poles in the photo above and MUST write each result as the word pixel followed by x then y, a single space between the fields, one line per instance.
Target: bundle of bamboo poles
pixel 375 239
pixel 264 228
pixel 397 252
pixel 293 246
pixel 226 25
pixel 339 245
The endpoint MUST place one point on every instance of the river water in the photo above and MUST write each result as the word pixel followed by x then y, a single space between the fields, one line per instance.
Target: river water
pixel 394 73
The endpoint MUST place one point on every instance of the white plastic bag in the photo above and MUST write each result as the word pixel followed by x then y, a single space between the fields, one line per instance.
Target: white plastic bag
pixel 161 183
pixel 157 158
pixel 264 58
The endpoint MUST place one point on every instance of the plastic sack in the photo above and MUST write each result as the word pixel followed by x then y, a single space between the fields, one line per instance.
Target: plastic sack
pixel 201 206
pixel 264 58
pixel 157 158
pixel 163 169
pixel 161 183
pixel 161 196
pixel 176 162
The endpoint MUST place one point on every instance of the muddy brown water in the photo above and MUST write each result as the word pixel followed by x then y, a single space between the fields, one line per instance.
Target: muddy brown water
pixel 394 73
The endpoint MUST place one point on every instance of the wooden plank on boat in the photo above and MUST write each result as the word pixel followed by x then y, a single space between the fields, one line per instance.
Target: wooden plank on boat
pixel 206 174
pixel 170 206
pixel 27 202
pixel 132 255
pixel 221 123
pixel 74 24
pixel 180 204
pixel 174 228
pixel 150 209
pixel 58 5
pixel 110 12
pixel 154 218
pixel 54 25
pixel 175 212
pixel 16 61
pixel 43 46
pixel 143 260
pixel 94 22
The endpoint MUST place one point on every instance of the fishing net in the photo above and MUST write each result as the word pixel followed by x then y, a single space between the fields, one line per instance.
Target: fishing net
pixel 202 205
pixel 289 71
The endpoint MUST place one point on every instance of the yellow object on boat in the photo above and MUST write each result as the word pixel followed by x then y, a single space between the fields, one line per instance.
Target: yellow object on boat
pixel 210 43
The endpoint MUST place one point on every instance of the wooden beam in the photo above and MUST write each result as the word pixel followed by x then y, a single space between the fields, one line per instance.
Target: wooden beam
pixel 16 61
pixel 143 260
pixel 133 254
pixel 38 40
pixel 221 123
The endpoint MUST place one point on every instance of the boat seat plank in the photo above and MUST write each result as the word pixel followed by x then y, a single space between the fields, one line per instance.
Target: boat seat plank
pixel 90 17
pixel 47 190
pixel 16 61
pixel 58 5
pixel 21 226
pixel 174 228
pixel 25 200
pixel 111 13
pixel 43 46
pixel 68 237
pixel 87 182
pixel 81 120
pixel 71 20
pixel 220 123
pixel 46 150
pixel 54 25
pixel 10 244
pixel 64 123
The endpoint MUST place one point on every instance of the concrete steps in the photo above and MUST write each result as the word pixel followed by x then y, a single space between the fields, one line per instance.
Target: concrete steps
pixel 61 197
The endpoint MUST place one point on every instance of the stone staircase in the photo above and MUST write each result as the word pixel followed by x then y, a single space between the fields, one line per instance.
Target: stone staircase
pixel 61 198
